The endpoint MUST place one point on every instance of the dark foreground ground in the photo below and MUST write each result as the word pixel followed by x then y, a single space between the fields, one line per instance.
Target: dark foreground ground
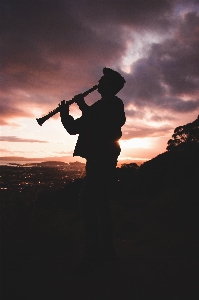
pixel 150 271
pixel 165 267
pixel 155 235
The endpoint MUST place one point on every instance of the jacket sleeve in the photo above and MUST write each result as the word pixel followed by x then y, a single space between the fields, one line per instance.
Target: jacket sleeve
pixel 72 126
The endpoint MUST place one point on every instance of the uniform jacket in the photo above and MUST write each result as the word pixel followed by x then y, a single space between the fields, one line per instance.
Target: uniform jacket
pixel 99 129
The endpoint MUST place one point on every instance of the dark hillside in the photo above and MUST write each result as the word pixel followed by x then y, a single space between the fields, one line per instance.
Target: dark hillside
pixel 168 170
pixel 155 214
pixel 168 188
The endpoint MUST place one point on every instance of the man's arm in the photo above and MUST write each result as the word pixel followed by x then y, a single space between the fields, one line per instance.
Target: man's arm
pixel 72 126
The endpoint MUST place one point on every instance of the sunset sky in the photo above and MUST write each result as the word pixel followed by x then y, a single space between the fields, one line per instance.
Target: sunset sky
pixel 52 50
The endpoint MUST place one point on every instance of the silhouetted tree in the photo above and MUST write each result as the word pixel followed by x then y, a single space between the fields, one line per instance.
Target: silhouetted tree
pixel 186 136
pixel 130 166
pixel 126 172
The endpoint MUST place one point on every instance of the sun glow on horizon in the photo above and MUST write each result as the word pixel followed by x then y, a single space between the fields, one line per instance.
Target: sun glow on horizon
pixel 136 143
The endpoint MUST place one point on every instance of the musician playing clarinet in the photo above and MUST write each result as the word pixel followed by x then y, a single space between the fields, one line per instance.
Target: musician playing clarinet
pixel 99 130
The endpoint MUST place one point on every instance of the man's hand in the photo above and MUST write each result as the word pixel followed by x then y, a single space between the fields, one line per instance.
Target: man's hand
pixel 64 108
pixel 79 99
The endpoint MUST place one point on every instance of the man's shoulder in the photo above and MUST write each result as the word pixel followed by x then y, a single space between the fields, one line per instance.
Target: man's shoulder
pixel 112 104
pixel 112 100
pixel 118 100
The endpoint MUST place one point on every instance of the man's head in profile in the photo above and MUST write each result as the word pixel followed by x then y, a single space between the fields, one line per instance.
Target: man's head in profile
pixel 110 83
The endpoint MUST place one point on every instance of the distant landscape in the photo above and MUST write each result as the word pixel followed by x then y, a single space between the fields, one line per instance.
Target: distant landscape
pixel 155 215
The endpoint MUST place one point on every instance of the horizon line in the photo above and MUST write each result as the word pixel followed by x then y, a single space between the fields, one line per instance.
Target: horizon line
pixel 66 159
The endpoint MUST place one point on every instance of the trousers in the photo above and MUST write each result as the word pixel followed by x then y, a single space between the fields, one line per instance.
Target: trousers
pixel 94 200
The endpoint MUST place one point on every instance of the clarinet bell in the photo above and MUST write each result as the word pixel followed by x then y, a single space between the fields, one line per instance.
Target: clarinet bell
pixel 40 121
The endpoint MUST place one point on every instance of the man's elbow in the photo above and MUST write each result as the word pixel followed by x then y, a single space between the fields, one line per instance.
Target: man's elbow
pixel 71 132
pixel 72 126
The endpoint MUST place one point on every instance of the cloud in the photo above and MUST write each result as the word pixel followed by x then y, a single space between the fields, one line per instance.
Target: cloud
pixel 2 150
pixel 10 108
pixel 49 54
pixel 64 152
pixel 126 13
pixel 169 74
pixel 54 49
pixel 19 140
pixel 145 131
pixel 162 118
pixel 51 45
pixel 178 105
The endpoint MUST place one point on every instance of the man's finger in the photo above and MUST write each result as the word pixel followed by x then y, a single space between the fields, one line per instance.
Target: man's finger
pixel 78 97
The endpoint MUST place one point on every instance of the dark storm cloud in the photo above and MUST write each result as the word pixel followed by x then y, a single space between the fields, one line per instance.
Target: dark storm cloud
pixel 178 105
pixel 43 38
pixel 46 50
pixel 133 13
pixel 53 49
pixel 170 72
pixel 17 139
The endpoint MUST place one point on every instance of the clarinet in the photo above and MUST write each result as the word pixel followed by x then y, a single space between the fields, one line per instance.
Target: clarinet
pixel 41 120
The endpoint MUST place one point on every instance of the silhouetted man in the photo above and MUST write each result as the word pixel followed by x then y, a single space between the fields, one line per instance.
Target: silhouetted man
pixel 99 130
